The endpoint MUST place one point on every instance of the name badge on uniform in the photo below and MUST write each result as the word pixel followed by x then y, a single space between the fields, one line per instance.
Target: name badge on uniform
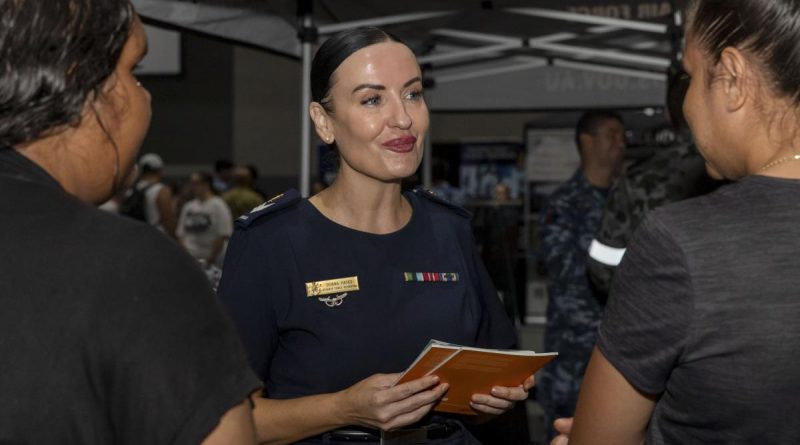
pixel 430 277
pixel 341 286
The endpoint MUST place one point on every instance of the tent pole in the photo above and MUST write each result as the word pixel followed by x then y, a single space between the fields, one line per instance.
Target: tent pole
pixel 305 130
pixel 308 36
pixel 427 161
pixel 382 21
pixel 636 25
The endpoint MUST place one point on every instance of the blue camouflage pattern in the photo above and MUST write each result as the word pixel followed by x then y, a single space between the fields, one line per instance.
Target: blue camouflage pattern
pixel 568 224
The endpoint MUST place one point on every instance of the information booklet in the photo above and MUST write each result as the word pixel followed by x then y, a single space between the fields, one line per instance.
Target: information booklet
pixel 472 371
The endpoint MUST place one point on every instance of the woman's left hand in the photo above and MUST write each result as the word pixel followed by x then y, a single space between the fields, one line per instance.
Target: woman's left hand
pixel 501 399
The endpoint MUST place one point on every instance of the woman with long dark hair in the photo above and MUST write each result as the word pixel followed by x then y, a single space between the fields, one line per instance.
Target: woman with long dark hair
pixel 109 333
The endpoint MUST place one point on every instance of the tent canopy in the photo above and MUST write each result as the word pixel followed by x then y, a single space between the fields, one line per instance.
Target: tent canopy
pixel 455 39
pixel 476 55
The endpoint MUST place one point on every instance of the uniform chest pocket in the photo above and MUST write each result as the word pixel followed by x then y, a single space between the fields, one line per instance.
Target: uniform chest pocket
pixel 443 309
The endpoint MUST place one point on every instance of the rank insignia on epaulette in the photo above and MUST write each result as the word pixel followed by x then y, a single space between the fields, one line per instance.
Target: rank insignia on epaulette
pixel 432 196
pixel 271 206
pixel 261 207
pixel 267 204
pixel 430 277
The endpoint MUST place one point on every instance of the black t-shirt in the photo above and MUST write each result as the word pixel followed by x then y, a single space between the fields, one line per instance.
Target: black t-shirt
pixel 109 333
pixel 705 312
pixel 423 282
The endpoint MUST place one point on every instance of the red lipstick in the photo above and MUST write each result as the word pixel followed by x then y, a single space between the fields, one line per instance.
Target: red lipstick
pixel 401 145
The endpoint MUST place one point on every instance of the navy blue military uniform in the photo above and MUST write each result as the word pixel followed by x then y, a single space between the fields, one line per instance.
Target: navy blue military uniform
pixel 321 306
pixel 569 223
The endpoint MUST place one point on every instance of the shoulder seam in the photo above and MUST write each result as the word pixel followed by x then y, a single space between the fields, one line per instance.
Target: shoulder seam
pixel 431 196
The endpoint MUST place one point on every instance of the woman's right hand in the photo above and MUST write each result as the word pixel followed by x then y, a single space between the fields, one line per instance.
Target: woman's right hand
pixel 375 403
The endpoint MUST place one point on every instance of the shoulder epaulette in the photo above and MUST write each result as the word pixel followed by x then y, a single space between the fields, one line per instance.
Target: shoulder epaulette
pixel 431 196
pixel 271 206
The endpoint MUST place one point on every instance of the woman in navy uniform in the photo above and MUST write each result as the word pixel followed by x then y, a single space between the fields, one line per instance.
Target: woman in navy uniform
pixel 336 294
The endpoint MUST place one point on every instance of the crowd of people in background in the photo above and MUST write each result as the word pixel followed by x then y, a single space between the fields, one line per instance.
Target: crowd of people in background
pixel 197 211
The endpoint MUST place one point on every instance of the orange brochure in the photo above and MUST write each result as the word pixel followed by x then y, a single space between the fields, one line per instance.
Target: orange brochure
pixel 473 371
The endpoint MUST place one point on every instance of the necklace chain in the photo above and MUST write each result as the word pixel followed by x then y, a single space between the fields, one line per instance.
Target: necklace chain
pixel 779 161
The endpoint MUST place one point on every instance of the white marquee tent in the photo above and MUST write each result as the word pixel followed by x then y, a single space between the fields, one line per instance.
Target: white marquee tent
pixel 476 55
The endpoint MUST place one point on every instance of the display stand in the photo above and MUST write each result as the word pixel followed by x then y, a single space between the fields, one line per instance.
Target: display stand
pixel 551 159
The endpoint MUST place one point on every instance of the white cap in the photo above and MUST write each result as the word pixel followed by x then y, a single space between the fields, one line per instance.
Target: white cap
pixel 151 160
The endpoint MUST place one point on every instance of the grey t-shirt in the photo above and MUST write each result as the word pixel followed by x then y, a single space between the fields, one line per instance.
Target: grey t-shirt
pixel 705 312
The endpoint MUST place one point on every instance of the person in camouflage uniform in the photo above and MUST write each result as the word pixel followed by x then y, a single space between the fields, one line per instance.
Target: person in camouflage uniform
pixel 569 222
pixel 672 173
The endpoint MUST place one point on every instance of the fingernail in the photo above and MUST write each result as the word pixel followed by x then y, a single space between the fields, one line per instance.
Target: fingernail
pixel 495 390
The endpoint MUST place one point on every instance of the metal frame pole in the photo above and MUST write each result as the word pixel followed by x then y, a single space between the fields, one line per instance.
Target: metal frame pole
pixel 305 121
pixel 307 35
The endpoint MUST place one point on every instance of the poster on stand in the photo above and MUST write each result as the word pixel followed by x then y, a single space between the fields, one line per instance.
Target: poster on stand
pixel 486 165
pixel 551 154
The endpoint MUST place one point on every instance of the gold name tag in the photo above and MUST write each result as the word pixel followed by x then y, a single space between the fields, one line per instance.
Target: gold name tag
pixel 335 286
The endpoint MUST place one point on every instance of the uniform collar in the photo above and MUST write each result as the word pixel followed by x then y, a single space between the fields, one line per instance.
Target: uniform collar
pixel 580 178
